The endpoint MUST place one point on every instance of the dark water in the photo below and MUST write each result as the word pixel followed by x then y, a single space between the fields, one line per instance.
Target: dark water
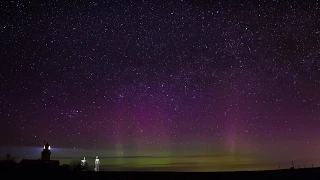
pixel 193 164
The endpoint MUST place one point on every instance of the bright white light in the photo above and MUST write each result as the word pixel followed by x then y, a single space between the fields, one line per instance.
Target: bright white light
pixel 44 146
pixel 49 147
pixel 83 161
pixel 96 164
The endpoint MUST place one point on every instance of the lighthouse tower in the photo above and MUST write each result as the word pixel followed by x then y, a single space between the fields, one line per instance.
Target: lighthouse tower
pixel 45 155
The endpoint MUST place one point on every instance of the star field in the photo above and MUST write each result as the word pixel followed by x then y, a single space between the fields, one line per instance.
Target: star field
pixel 161 77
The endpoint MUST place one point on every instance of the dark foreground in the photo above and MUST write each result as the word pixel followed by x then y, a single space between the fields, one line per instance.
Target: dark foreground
pixel 303 174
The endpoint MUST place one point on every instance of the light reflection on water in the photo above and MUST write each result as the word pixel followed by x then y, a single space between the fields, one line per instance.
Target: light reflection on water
pixel 183 163
pixel 164 163
pixel 195 163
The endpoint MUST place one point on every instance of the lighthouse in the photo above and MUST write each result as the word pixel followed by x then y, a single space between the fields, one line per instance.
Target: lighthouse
pixel 46 153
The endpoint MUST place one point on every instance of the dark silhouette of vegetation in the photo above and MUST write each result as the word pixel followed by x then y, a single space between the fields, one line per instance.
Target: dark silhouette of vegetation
pixel 66 168
pixel 9 163
pixel 76 166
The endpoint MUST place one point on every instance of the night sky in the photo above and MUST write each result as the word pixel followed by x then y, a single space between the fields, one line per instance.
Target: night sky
pixel 238 82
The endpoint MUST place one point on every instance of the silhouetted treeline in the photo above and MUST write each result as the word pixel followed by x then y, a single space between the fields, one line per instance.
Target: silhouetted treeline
pixel 9 163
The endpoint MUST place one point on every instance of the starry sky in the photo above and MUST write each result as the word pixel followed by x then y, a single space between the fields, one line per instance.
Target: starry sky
pixel 229 80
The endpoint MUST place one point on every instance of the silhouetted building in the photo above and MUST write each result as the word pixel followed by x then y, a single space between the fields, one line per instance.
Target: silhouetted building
pixel 43 163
